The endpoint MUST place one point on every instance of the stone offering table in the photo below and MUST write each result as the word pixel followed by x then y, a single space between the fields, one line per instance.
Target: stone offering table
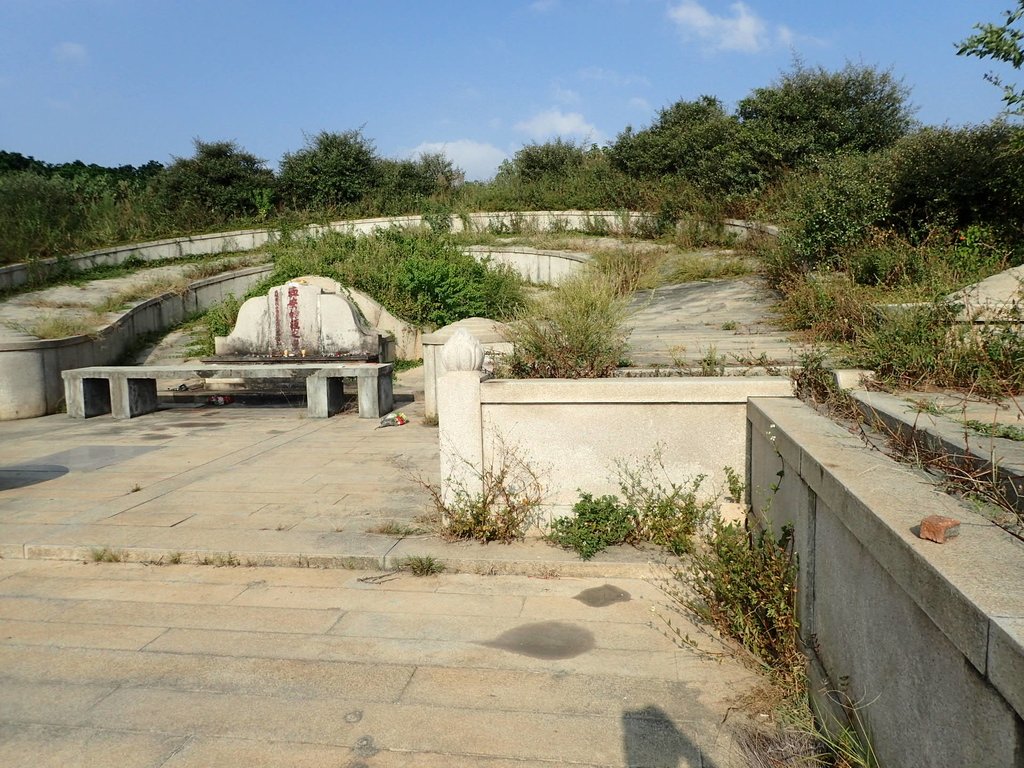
pixel 129 391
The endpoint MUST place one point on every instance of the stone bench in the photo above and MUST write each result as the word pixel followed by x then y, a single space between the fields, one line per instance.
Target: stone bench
pixel 126 391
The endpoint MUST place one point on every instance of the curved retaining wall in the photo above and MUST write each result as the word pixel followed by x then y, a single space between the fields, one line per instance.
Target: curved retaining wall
pixel 534 266
pixel 14 275
pixel 30 372
pixel 614 222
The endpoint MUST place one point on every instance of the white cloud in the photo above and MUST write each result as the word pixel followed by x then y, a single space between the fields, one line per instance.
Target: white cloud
pixel 477 159
pixel 71 53
pixel 555 122
pixel 742 31
pixel 565 95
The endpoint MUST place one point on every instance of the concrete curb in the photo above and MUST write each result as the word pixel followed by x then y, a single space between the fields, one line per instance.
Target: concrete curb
pixel 522 559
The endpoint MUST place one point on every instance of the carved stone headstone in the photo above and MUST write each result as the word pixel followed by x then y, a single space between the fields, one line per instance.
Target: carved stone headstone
pixel 308 317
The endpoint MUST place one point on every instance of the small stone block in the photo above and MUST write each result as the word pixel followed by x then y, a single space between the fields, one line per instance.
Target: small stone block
pixel 938 528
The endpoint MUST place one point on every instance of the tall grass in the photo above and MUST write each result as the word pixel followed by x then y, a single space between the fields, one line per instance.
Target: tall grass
pixel 576 331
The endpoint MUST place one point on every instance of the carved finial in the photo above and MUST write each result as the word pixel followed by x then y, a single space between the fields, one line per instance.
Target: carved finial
pixel 462 352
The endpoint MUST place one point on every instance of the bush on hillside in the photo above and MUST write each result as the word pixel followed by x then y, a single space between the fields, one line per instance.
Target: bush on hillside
pixel 333 170
pixel 220 182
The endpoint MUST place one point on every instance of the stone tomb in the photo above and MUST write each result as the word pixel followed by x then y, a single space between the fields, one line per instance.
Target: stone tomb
pixel 309 317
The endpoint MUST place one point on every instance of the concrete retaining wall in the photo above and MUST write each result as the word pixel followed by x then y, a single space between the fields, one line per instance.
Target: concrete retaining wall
pixel 575 431
pixel 30 372
pixel 927 639
pixel 614 222
pixel 533 265
pixel 15 275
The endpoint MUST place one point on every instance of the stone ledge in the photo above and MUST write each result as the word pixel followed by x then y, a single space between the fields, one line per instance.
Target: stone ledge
pixel 942 435
pixel 965 587
pixel 716 389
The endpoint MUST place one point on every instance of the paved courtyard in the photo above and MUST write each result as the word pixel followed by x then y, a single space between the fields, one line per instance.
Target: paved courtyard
pixel 132 665
pixel 527 656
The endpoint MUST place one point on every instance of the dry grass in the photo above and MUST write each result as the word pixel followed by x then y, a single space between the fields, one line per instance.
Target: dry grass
pixel 134 294
pixel 57 327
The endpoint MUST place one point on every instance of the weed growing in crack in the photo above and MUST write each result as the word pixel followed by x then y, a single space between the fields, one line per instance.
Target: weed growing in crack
pixel 106 555
pixel 422 565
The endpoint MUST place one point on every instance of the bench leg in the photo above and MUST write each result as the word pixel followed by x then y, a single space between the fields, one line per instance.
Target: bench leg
pixel 86 398
pixel 324 396
pixel 132 397
pixel 376 395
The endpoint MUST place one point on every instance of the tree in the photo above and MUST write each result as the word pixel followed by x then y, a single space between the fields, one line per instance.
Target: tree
pixel 560 158
pixel 219 182
pixel 333 170
pixel 810 113
pixel 1002 42
pixel 696 141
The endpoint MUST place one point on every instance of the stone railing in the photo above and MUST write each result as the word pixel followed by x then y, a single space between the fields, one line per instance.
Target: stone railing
pixel 924 640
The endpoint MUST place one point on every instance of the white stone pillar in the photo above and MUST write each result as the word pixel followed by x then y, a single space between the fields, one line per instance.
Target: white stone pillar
pixel 460 421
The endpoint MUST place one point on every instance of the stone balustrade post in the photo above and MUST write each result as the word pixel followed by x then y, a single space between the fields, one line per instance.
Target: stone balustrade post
pixel 460 421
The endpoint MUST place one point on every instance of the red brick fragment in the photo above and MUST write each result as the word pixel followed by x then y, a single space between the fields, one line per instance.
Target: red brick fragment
pixel 938 528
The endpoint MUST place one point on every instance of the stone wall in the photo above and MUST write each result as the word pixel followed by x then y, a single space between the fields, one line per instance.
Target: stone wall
pixel 614 222
pixel 926 639
pixel 15 275
pixel 574 431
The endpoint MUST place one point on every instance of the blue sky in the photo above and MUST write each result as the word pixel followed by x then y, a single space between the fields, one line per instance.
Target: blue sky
pixel 127 81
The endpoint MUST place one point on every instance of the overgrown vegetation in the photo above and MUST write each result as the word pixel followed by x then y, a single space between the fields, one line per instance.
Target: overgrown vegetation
pixel 744 584
pixel 654 508
pixel 875 210
pixel 422 565
pixel 499 502
pixel 575 331
pixel 420 276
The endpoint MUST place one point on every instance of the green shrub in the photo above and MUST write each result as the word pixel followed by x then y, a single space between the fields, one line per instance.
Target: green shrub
pixel 420 276
pixel 665 512
pixel 220 182
pixel 745 586
pixel 595 525
pixel 924 345
pixel 576 331
pixel 811 113
pixel 37 217
pixel 957 177
pixel 333 170
pixel 835 209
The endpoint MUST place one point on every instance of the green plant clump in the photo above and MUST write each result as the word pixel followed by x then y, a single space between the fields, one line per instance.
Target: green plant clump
pixel 595 525
pixel 422 565
pixel 503 509
pixel 654 509
pixel 420 276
